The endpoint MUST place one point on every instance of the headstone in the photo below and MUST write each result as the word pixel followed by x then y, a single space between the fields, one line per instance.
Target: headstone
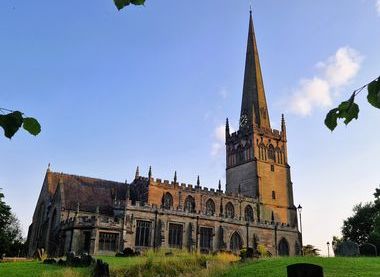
pixel 368 249
pixel 304 270
pixel 101 269
pixel 347 249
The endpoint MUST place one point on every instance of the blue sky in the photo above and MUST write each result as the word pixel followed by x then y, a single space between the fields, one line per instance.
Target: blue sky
pixel 152 85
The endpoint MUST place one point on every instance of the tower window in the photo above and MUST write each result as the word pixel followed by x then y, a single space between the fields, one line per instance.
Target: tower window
pixel 271 153
pixel 273 195
pixel 272 167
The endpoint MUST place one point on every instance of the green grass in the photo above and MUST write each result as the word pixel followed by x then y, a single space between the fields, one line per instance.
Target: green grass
pixel 188 265
pixel 332 267
pixel 38 269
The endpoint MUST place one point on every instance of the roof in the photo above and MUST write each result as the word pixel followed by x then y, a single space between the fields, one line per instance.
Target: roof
pixel 90 193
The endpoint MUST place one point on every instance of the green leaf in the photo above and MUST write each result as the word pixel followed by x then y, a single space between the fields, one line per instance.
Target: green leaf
pixel 121 3
pixel 374 93
pixel 138 2
pixel 331 120
pixel 11 123
pixel 32 126
pixel 348 110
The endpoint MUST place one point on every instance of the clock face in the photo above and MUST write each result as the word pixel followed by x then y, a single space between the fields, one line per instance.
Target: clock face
pixel 243 120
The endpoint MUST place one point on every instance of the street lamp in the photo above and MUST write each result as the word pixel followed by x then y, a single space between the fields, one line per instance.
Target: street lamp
pixel 328 249
pixel 299 208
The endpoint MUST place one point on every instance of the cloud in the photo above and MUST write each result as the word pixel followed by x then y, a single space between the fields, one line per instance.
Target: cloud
pixel 223 93
pixel 378 7
pixel 319 91
pixel 219 136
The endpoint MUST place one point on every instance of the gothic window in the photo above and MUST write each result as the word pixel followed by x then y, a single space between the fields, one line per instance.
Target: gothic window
pixel 210 207
pixel 230 211
pixel 175 235
pixel 236 242
pixel 271 153
pixel 143 232
pixel 248 213
pixel 273 195
pixel 283 247
pixel 205 239
pixel 272 217
pixel 108 241
pixel 167 202
pixel 190 204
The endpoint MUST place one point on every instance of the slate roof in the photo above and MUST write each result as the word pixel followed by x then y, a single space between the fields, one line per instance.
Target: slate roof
pixel 90 193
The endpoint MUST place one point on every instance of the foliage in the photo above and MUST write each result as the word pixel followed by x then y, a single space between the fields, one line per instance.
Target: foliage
pixel 123 3
pixel 263 251
pixel 179 263
pixel 364 225
pixel 358 227
pixel 11 122
pixel 310 250
pixel 349 110
pixel 11 243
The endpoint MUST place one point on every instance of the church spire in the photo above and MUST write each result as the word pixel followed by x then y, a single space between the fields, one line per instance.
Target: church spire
pixel 254 109
pixel 137 174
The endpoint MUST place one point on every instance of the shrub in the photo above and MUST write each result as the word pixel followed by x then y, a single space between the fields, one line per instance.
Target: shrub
pixel 263 251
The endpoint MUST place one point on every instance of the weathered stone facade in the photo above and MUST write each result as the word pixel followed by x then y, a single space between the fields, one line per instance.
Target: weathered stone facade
pixel 82 214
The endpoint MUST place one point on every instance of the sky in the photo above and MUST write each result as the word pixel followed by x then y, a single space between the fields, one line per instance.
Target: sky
pixel 153 85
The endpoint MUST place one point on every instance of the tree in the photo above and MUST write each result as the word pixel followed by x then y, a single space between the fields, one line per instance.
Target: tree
pixel 360 225
pixel 310 250
pixel 349 110
pixel 11 242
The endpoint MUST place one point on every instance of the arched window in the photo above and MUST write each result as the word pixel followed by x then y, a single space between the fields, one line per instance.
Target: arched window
pixel 235 242
pixel 190 204
pixel 272 217
pixel 283 247
pixel 210 207
pixel 273 195
pixel 248 213
pixel 167 201
pixel 271 153
pixel 230 211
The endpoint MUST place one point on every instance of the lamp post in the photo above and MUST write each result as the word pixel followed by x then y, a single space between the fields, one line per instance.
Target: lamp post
pixel 328 249
pixel 299 208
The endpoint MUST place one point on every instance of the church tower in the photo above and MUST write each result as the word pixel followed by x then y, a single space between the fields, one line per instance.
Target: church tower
pixel 256 155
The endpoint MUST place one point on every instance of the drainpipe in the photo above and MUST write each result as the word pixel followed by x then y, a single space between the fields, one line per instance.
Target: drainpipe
pixel 196 234
pixel 275 238
pixel 155 230
pixel 247 225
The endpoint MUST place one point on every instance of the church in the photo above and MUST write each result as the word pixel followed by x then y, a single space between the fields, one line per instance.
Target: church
pixel 83 214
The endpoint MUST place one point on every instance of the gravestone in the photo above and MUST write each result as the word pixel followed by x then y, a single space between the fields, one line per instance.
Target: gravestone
pixel 304 270
pixel 368 249
pixel 347 249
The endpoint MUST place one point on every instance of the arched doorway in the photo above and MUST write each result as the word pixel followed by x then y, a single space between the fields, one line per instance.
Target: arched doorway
pixel 236 242
pixel 283 247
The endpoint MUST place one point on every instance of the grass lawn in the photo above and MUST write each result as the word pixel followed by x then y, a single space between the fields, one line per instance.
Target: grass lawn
pixel 38 269
pixel 274 267
pixel 332 267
